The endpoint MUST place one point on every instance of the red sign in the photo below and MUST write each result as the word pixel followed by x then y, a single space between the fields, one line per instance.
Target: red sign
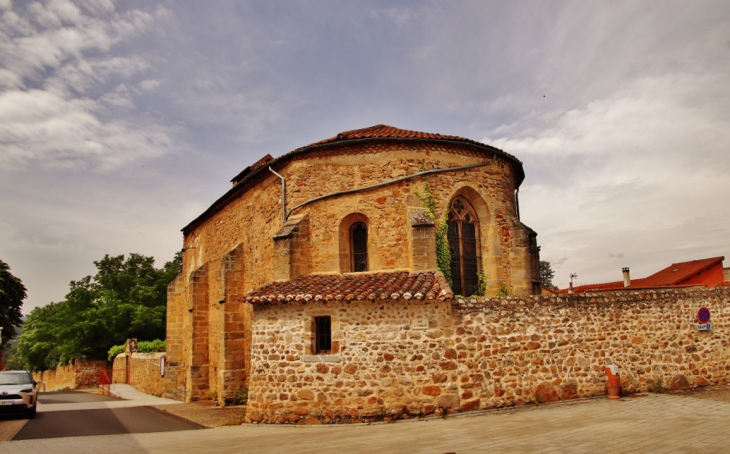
pixel 703 315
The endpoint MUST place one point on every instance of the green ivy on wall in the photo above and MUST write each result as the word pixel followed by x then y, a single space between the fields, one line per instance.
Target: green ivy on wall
pixel 481 289
pixel 443 254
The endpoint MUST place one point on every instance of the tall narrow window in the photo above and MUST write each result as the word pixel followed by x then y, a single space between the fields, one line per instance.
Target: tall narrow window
pixel 463 244
pixel 322 335
pixel 359 247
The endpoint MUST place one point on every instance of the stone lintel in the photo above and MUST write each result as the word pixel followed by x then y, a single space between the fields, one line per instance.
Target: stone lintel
pixel 321 358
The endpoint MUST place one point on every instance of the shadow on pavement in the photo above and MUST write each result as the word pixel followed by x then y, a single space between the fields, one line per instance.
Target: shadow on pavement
pixel 102 422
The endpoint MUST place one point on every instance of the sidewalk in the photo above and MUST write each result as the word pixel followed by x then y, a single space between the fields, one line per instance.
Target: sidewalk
pixel 131 398
pixel 654 423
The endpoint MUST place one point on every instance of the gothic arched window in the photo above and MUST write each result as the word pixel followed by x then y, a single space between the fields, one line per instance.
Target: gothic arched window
pixel 359 247
pixel 463 236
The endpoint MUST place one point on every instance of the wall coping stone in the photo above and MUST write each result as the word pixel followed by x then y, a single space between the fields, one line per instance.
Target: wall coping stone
pixel 587 299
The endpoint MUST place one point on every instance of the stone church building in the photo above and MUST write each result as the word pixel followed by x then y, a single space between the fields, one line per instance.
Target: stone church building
pixel 312 283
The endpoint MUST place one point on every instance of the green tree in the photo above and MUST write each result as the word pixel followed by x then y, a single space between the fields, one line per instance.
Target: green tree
pixel 12 359
pixel 38 344
pixel 126 298
pixel 547 274
pixel 12 294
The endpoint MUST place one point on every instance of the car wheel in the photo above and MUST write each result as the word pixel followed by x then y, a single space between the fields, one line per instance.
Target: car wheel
pixel 31 412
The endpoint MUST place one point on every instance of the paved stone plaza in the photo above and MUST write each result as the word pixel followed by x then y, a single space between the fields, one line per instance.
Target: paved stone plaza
pixel 652 423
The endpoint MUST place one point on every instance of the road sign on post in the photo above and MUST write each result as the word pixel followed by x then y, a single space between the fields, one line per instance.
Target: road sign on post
pixel 703 315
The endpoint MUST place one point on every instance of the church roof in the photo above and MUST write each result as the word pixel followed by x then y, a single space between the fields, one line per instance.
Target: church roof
pixel 377 133
pixel 390 132
pixel 394 285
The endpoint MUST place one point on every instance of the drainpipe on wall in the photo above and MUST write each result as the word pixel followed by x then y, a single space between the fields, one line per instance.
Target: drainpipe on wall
pixel 283 197
pixel 627 277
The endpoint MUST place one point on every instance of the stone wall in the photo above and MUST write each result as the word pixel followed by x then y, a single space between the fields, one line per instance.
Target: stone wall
pixel 80 374
pixel 144 372
pixel 479 353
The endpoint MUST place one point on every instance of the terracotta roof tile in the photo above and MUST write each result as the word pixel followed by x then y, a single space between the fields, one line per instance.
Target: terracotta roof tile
pixel 390 132
pixel 428 285
pixel 674 275
pixel 679 272
pixel 253 167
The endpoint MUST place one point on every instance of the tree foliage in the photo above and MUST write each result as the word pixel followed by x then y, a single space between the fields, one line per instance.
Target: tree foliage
pixel 12 294
pixel 125 299
pixel 12 359
pixel 547 274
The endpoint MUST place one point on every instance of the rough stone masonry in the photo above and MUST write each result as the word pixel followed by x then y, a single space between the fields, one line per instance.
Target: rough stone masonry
pixel 406 358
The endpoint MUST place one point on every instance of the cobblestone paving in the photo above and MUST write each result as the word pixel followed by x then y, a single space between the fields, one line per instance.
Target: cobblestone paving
pixel 659 423
pixel 9 426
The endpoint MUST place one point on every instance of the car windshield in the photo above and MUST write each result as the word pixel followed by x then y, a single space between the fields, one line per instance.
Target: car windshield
pixel 15 378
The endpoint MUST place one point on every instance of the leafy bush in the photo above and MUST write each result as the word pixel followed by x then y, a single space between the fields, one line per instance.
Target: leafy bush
pixel 151 346
pixel 240 397
pixel 657 386
pixel 114 351
pixel 481 289
pixel 154 346
pixel 503 290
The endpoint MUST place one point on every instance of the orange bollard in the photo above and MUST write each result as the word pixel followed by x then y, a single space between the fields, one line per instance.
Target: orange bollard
pixel 613 386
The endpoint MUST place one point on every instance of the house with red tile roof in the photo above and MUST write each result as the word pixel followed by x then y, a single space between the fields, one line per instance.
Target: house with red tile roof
pixel 324 240
pixel 704 272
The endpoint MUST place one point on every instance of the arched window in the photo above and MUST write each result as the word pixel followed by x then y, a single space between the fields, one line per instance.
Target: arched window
pixel 359 247
pixel 463 236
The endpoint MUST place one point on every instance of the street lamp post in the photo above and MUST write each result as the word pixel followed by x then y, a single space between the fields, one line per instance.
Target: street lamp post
pixel 2 352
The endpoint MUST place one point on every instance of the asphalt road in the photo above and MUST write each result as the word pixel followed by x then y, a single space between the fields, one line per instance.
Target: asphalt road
pixel 74 423
pixel 72 397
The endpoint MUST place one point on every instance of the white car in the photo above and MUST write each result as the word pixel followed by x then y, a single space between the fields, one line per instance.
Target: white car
pixel 18 393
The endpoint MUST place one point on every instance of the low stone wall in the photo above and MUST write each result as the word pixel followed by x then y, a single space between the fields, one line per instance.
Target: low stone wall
pixel 80 374
pixel 403 359
pixel 144 372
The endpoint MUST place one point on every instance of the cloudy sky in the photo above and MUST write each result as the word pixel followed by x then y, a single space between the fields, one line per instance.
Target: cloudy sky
pixel 122 121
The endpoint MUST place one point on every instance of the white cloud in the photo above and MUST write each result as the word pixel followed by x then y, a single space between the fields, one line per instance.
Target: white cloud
pixel 149 84
pixel 43 128
pixel 640 171
pixel 400 16
pixel 57 104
